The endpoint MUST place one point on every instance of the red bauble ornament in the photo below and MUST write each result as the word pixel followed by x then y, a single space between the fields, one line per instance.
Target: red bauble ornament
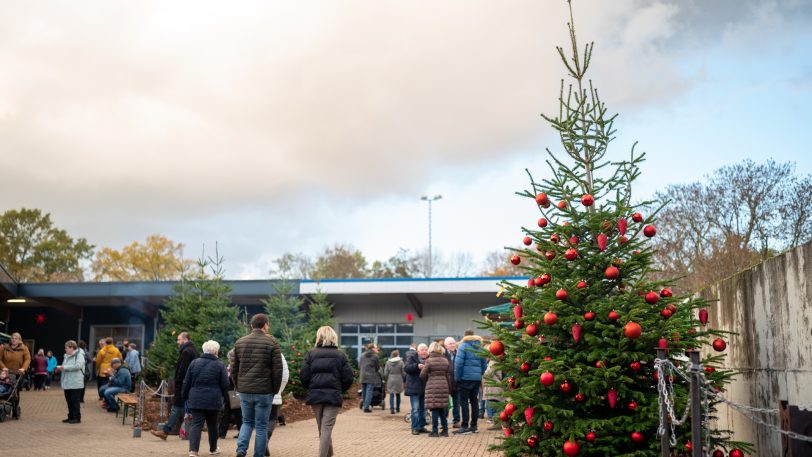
pixel 517 311
pixel 508 432
pixel 565 387
pixel 662 343
pixel 525 367
pixel 561 294
pixel 571 448
pixel 510 408
pixel 550 318
pixel 503 416
pixel 511 382
pixel 600 364
pixel 666 313
pixel 718 453
pixel 632 405
pixel 719 345
pixel 574 240
pixel 533 441
pixel 515 260
pixel 496 348
pixel 637 217
pixel 571 254
pixel 623 239
pixel 518 324
pixel 637 437
pixel 632 330
pixel 587 200
pixel 532 330
pixel 672 307
pixel 542 199
pixel 703 316
pixel 554 238
pixel 531 282
pixel 576 332
pixel 548 426
pixel 527 241
pixel 579 397
pixel 612 272
pixel 550 255
pixel 614 315
pixel 581 285
pixel 542 222
pixel 545 278
pixel 649 231
pixel 562 205
pixel 635 366
pixel 689 446
pixel 547 378
pixel 538 282
pixel 622 225
pixel 528 415
pixel 589 315
pixel 547 357
pixel 591 436
pixel 666 293
pixel 709 369
pixel 652 298
pixel 602 242
pixel 611 397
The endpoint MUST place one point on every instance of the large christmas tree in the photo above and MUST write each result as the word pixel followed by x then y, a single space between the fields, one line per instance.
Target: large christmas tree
pixel 579 358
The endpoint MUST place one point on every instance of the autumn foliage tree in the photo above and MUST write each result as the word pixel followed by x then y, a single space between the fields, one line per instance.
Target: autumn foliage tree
pixel 578 361
pixel 33 249
pixel 158 259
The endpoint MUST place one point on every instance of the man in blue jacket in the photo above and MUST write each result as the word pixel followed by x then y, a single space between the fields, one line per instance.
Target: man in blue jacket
pixel 119 382
pixel 468 370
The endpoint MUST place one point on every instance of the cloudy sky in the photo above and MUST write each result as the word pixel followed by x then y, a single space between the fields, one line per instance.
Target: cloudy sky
pixel 271 127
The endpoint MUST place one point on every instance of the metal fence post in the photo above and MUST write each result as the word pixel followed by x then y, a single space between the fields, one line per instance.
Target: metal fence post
pixel 696 406
pixel 664 438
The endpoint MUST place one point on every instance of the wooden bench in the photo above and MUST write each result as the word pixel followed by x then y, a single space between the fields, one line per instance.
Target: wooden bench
pixel 126 401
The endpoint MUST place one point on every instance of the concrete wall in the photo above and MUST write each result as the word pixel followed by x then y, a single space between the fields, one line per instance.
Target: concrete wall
pixel 770 307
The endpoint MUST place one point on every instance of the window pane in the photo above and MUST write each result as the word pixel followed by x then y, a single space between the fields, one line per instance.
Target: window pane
pixel 405 328
pixel 386 328
pixel 351 340
pixel 348 328
pixel 403 340
pixel 366 328
pixel 366 340
pixel 384 340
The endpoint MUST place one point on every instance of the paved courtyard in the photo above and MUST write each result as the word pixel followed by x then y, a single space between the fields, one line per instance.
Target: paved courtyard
pixel 40 432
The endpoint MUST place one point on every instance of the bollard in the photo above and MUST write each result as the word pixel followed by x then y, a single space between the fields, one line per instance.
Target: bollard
pixel 665 446
pixel 137 431
pixel 696 406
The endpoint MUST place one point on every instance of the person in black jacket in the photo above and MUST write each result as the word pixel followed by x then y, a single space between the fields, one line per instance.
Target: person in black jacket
pixel 415 387
pixel 257 375
pixel 204 389
pixel 326 374
pixel 370 368
pixel 187 354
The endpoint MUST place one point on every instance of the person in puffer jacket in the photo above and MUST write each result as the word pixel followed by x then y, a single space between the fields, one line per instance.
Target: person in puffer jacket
pixel 415 388
pixel 370 368
pixel 205 387
pixel 326 374
pixel 437 375
pixel 393 373
pixel 468 370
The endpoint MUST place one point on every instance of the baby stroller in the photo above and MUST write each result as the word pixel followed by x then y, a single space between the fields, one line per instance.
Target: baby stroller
pixel 377 396
pixel 10 401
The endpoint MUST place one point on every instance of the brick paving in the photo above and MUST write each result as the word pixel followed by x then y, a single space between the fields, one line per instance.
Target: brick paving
pixel 40 432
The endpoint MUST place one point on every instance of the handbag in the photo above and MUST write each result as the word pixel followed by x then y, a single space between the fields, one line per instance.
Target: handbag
pixel 186 425
pixel 233 399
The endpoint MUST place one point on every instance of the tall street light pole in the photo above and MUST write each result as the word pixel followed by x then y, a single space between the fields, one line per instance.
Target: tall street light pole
pixel 432 199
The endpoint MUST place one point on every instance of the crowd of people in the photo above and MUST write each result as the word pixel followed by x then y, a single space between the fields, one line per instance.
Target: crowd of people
pixel 443 378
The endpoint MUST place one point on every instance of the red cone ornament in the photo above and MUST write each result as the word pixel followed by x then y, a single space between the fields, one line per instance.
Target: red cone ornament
pixel 528 415
pixel 611 397
pixel 576 332
pixel 602 242
pixel 571 448
pixel 517 311
pixel 703 316
pixel 622 225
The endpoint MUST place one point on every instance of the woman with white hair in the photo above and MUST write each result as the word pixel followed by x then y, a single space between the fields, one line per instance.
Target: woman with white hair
pixel 205 388
pixel 326 374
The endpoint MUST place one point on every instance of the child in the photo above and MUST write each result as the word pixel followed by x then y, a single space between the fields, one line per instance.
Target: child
pixel 437 375
pixel 5 382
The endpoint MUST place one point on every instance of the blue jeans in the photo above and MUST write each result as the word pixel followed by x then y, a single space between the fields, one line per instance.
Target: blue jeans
pixel 367 391
pixel 441 415
pixel 418 411
pixel 256 409
pixel 490 406
pixel 174 417
pixel 392 406
pixel 110 396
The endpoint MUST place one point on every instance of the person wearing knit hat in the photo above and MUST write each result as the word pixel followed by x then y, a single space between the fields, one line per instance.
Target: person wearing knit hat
pixel 120 381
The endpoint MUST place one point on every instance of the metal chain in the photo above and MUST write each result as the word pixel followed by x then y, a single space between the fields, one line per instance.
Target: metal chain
pixel 158 391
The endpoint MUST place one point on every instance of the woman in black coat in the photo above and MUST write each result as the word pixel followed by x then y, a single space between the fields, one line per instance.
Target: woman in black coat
pixel 205 388
pixel 327 375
